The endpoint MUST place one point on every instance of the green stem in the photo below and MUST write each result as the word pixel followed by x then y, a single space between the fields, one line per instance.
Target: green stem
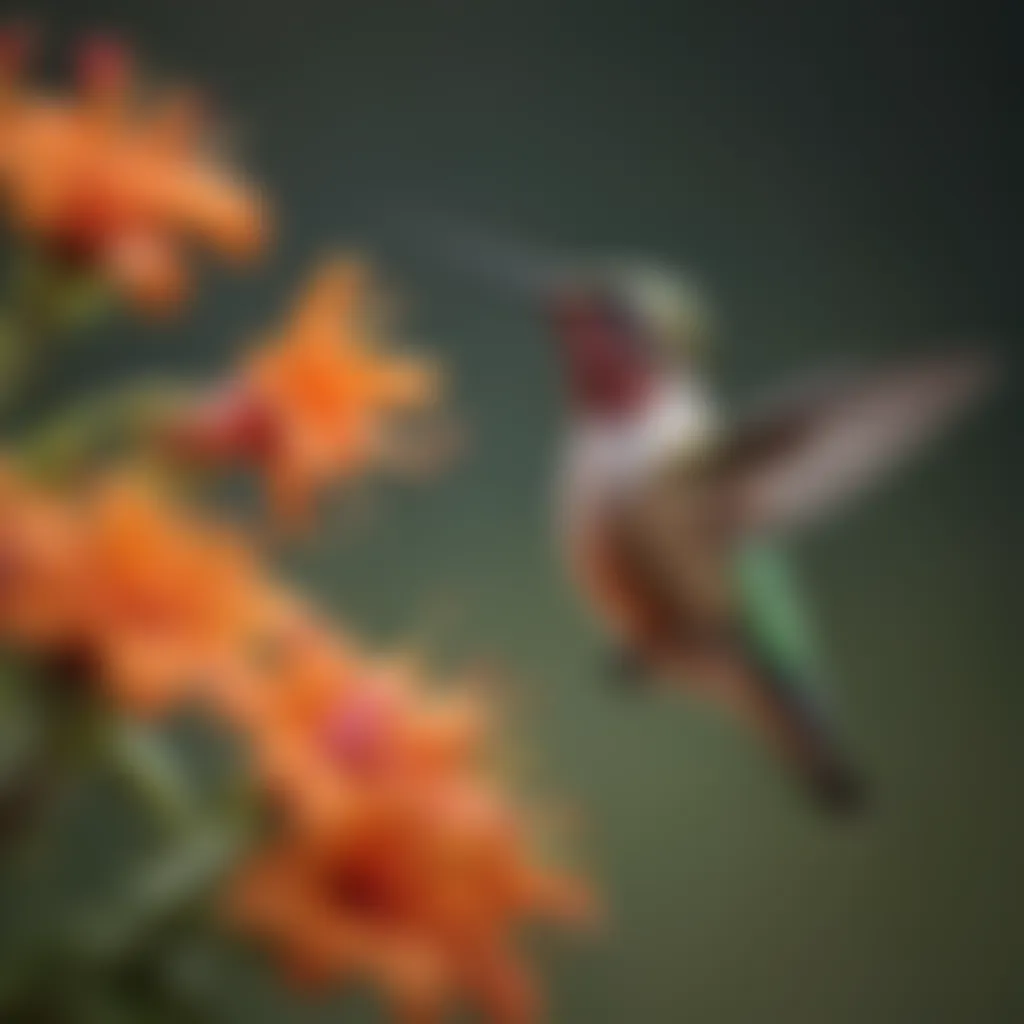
pixel 53 722
pixel 198 845
pixel 100 426
pixel 173 883
pixel 146 767
pixel 45 298
pixel 70 727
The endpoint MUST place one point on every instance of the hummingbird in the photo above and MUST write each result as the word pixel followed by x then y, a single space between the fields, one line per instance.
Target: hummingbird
pixel 671 513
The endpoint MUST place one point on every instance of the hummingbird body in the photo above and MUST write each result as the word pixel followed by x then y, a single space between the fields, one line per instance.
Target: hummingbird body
pixel 645 531
pixel 607 475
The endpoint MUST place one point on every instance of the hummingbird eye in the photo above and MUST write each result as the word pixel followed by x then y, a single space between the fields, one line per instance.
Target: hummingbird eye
pixel 623 324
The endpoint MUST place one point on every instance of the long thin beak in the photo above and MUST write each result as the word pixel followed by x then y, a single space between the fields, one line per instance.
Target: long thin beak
pixel 512 268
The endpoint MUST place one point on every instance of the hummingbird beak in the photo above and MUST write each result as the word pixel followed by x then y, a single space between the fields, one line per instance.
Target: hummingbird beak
pixel 508 267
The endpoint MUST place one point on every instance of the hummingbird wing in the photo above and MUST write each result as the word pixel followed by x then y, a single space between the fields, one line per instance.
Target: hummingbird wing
pixel 803 454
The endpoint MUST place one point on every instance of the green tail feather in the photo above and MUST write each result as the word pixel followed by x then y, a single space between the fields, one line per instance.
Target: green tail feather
pixel 780 643
pixel 773 616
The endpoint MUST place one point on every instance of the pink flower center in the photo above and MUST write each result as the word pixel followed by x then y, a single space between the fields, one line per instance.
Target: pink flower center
pixel 359 733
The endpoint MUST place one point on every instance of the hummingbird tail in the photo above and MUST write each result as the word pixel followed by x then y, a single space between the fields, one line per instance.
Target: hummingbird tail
pixel 800 731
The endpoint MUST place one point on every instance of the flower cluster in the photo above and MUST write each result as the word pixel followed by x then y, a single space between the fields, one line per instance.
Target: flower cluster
pixel 398 855
pixel 392 849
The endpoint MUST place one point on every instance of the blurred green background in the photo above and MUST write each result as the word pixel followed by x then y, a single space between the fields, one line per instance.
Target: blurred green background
pixel 846 176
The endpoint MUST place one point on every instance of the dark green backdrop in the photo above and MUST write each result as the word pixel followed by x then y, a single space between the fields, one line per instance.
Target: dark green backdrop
pixel 845 175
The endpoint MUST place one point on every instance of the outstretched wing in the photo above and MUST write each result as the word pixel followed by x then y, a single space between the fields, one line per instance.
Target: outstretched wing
pixel 802 455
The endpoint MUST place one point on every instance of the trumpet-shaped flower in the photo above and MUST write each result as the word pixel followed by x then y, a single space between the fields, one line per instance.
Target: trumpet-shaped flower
pixel 118 185
pixel 319 400
pixel 165 602
pixel 158 606
pixel 403 859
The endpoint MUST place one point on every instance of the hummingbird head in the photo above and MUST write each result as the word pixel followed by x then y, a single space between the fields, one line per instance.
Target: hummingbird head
pixel 621 328
pixel 622 324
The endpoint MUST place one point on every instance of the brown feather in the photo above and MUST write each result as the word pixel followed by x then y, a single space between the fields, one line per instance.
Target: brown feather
pixel 827 441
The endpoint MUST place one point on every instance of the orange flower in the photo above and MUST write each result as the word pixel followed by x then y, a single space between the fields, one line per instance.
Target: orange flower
pixel 332 723
pixel 157 607
pixel 117 184
pixel 402 859
pixel 423 892
pixel 169 607
pixel 320 400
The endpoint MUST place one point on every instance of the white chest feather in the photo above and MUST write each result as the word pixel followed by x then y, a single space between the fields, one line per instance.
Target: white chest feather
pixel 606 459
